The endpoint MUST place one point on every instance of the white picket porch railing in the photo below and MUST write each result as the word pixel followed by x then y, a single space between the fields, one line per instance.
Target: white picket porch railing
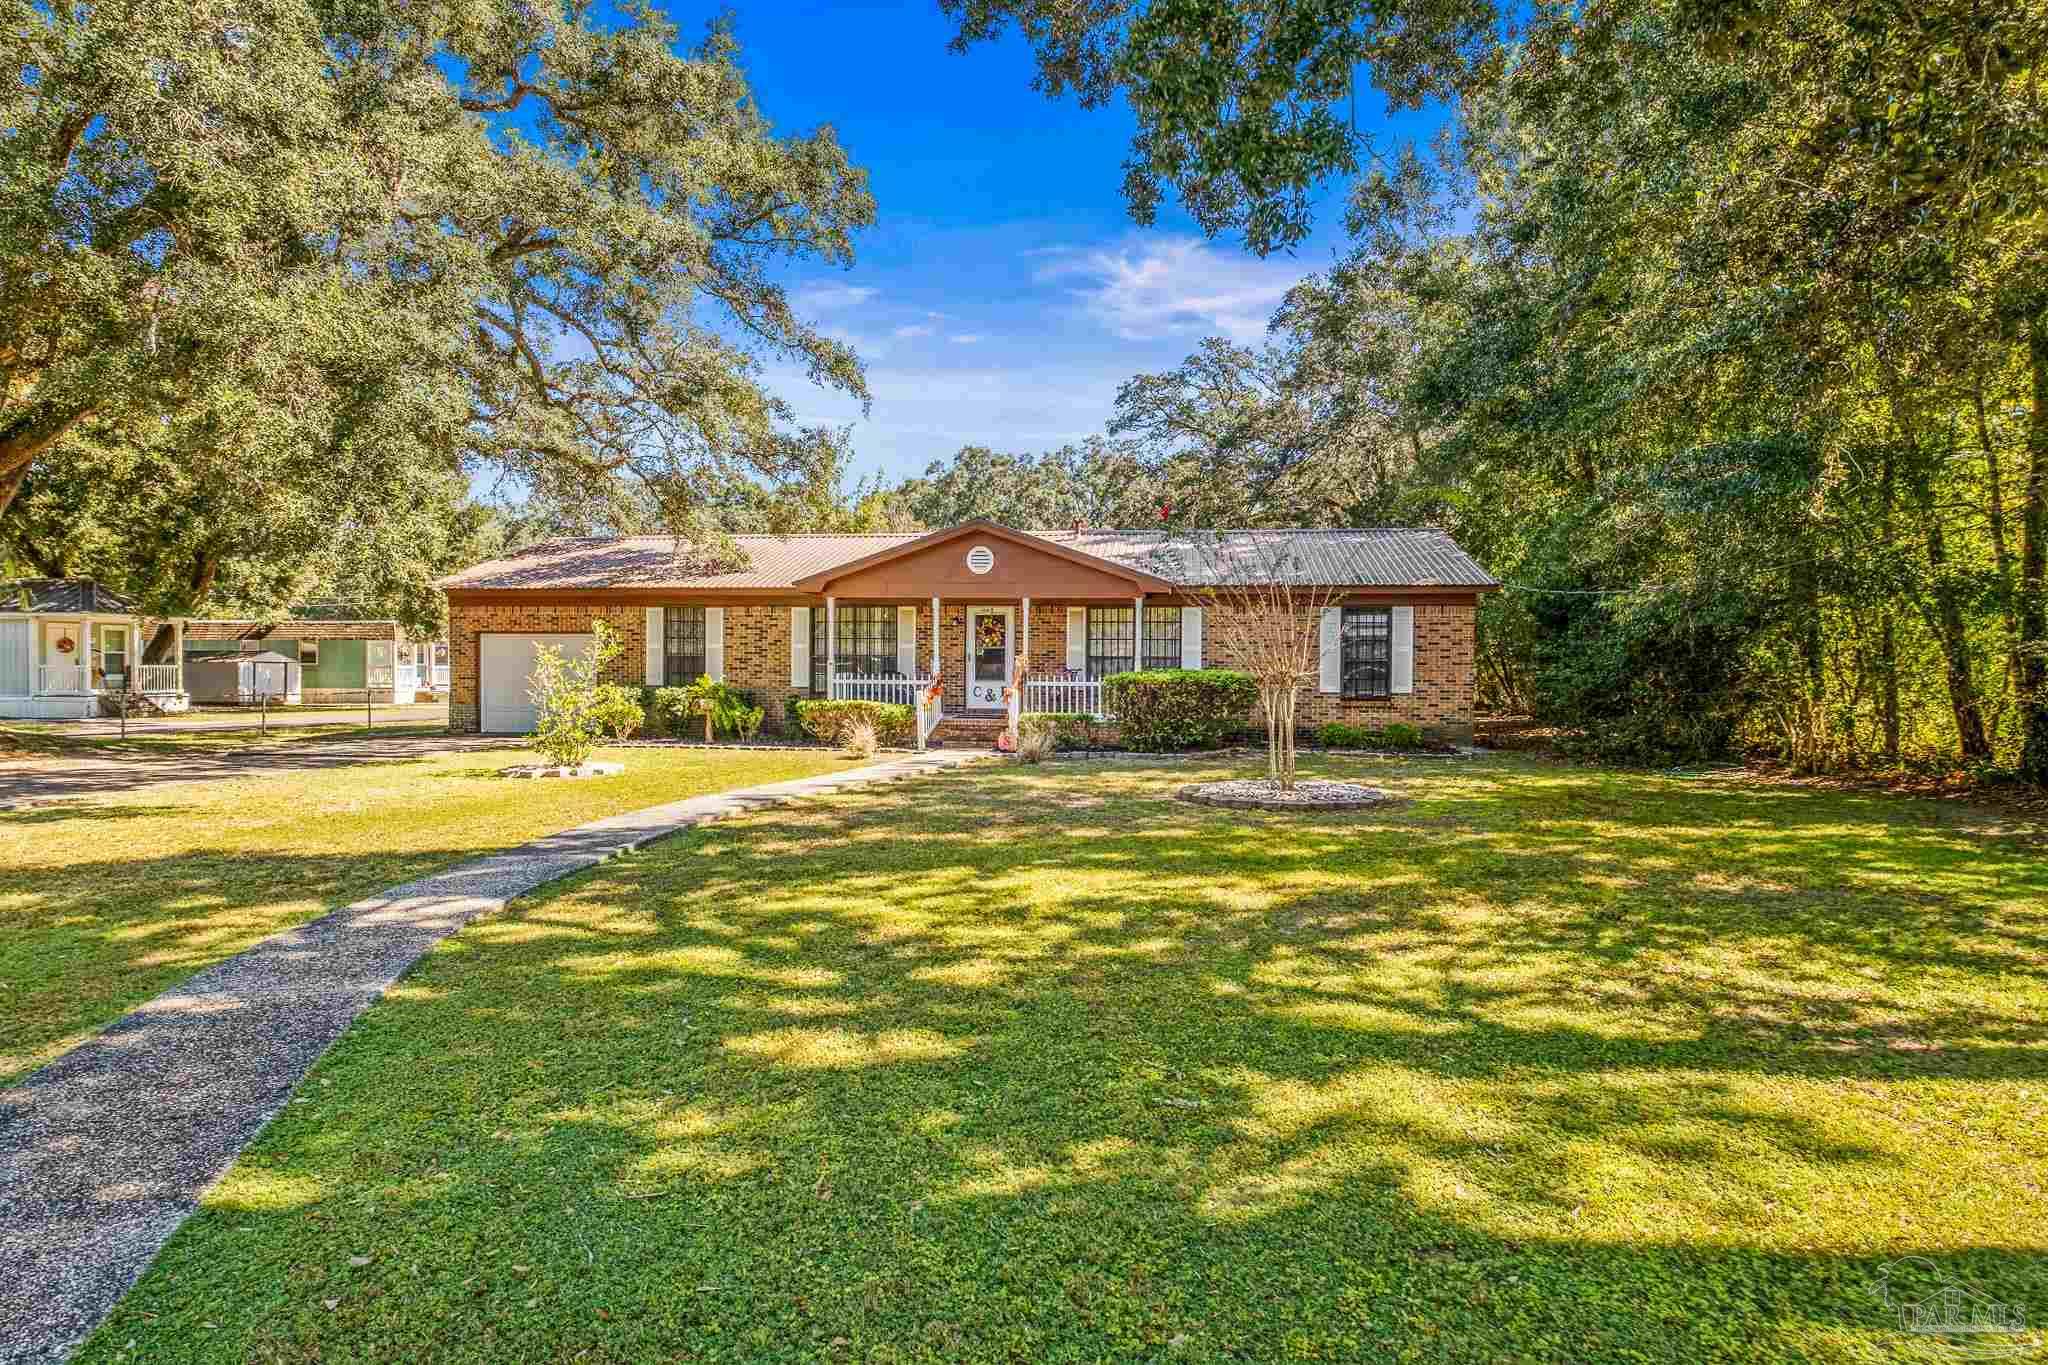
pixel 62 679
pixel 159 678
pixel 876 687
pixel 1078 695
pixel 440 677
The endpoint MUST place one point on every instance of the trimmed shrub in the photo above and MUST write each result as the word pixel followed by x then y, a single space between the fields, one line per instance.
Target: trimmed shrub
pixel 1394 735
pixel 1179 708
pixel 827 721
pixel 1037 743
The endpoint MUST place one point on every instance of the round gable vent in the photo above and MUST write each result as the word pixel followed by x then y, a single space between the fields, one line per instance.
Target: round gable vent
pixel 981 559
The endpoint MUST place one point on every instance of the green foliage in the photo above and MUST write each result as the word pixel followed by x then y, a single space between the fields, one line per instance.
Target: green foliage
pixel 1393 736
pixel 731 710
pixel 570 702
pixel 832 721
pixel 341 225
pixel 1652 678
pixel 1069 729
pixel 617 711
pixel 1174 708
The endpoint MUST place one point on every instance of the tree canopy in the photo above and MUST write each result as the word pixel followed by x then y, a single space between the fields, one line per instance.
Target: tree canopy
pixel 526 242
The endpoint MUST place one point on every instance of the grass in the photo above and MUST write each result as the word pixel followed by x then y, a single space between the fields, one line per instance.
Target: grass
pixel 1042 1065
pixel 106 902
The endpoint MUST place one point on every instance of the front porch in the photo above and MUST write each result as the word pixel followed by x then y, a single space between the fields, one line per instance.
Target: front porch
pixel 1005 626
pixel 76 665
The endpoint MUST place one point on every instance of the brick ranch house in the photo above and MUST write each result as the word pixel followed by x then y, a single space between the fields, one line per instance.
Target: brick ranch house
pixel 971 604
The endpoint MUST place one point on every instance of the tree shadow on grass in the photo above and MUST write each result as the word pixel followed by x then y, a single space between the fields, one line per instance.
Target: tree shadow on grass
pixel 956 1071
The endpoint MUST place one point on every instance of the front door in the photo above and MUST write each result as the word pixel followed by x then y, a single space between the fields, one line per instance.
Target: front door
pixel 989 656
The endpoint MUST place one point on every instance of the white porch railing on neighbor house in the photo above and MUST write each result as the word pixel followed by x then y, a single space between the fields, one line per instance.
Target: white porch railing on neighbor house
pixel 59 679
pixel 876 687
pixel 158 678
pixel 1063 694
pixel 408 679
pixel 440 677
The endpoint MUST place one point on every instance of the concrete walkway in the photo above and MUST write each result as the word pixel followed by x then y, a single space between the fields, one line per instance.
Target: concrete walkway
pixel 105 1151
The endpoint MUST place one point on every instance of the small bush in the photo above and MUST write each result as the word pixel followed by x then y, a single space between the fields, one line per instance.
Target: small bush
pixel 727 707
pixel 617 711
pixel 827 720
pixel 1179 708
pixel 1069 729
pixel 792 715
pixel 565 693
pixel 858 735
pixel 747 722
pixel 1337 734
pixel 1036 743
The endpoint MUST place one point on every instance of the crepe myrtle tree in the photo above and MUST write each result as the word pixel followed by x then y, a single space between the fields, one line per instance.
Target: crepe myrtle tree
pixel 1258 615
pixel 548 228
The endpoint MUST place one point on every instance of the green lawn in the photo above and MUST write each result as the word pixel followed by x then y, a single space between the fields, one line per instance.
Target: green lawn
pixel 1042 1065
pixel 105 902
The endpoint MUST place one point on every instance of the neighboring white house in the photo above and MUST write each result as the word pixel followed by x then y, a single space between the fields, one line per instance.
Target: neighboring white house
pixel 70 649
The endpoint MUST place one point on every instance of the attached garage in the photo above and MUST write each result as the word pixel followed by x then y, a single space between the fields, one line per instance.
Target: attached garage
pixel 505 668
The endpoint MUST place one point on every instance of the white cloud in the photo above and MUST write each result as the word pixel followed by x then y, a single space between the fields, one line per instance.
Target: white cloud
pixel 965 338
pixel 914 329
pixel 825 298
pixel 1161 287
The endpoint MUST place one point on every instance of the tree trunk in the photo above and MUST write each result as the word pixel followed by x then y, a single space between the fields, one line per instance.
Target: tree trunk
pixel 1887 634
pixel 1952 633
pixel 2033 591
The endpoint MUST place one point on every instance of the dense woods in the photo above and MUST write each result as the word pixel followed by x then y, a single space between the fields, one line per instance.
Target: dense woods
pixel 1718 330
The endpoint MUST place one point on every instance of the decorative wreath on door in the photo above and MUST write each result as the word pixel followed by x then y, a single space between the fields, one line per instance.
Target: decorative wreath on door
pixel 990 632
pixel 65 644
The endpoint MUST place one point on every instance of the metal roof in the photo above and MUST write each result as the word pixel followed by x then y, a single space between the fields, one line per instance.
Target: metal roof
pixel 650 562
pixel 63 595
pixel 1381 557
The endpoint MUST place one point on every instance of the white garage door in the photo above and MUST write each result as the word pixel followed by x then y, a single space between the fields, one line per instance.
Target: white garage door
pixel 504 663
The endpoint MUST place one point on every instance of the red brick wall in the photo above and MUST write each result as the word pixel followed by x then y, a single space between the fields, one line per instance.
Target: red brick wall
pixel 757 656
pixel 467 622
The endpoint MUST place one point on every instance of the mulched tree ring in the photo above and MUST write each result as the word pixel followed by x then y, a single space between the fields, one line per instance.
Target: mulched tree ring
pixel 1308 794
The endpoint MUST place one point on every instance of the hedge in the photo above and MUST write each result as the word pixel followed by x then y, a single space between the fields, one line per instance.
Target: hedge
pixel 1394 735
pixel 1179 708
pixel 827 720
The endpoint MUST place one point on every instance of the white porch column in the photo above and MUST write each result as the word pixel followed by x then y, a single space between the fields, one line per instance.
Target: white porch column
pixel 935 637
pixel 1138 632
pixel 178 649
pixel 831 643
pixel 85 654
pixel 1026 668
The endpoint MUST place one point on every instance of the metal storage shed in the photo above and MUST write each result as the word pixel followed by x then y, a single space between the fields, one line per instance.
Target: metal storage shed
pixel 244 679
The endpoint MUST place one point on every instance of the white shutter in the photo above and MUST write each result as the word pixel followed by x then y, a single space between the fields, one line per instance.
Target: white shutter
pixel 1332 650
pixel 714 643
pixel 1404 649
pixel 1190 637
pixel 906 641
pixel 1077 639
pixel 654 643
pixel 800 647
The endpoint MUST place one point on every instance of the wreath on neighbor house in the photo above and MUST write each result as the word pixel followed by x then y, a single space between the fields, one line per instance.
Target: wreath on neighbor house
pixel 65 644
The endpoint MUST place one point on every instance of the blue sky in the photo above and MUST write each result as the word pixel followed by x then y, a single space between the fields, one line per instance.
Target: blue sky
pixel 1004 293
